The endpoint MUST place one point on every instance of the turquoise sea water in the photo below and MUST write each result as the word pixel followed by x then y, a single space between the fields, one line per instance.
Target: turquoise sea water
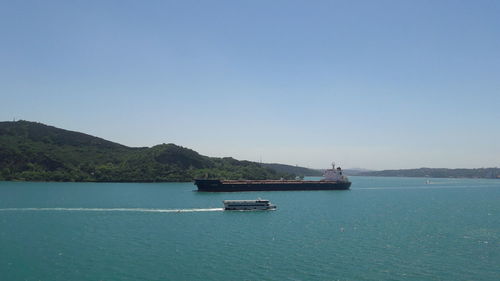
pixel 382 229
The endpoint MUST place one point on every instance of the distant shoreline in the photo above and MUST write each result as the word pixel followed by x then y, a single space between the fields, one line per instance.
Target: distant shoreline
pixel 34 152
pixel 380 176
pixel 478 173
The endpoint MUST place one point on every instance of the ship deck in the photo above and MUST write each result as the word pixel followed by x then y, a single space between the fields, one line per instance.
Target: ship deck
pixel 274 182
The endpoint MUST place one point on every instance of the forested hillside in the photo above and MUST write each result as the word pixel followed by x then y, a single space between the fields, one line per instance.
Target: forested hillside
pixel 36 152
pixel 289 169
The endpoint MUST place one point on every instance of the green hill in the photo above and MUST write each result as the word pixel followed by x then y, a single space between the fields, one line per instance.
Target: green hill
pixel 36 152
pixel 301 171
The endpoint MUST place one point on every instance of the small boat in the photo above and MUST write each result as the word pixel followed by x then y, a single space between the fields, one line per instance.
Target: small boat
pixel 248 205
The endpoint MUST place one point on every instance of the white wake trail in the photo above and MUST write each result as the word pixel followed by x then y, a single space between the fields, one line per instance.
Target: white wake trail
pixel 111 210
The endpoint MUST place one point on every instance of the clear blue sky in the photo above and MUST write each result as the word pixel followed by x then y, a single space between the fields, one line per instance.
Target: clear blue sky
pixel 372 84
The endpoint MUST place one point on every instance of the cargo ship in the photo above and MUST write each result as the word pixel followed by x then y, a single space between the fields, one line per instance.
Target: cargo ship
pixel 333 179
pixel 248 205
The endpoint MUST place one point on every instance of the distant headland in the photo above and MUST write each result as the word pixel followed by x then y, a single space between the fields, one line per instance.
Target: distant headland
pixel 31 151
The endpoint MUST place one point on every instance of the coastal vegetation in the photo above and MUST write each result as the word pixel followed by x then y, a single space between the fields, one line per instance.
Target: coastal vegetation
pixel 31 151
pixel 289 169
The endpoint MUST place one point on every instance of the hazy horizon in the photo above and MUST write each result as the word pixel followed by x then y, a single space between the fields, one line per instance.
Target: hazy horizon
pixel 371 84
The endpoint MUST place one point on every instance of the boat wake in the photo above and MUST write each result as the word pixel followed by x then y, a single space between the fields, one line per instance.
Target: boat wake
pixel 140 210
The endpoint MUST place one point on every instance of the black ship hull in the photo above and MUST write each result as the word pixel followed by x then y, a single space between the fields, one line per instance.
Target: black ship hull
pixel 251 185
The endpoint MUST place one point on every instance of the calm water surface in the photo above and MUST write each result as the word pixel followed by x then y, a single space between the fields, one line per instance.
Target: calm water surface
pixel 382 229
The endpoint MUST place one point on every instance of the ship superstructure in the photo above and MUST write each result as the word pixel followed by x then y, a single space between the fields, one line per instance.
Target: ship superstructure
pixel 334 174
